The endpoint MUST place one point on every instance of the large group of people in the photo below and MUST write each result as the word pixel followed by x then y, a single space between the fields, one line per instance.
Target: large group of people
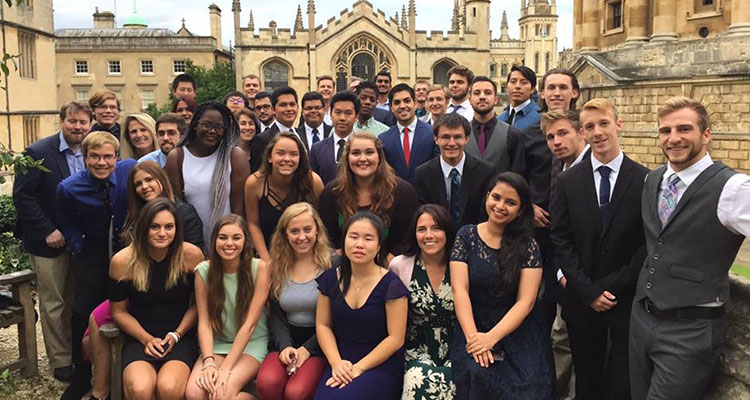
pixel 393 241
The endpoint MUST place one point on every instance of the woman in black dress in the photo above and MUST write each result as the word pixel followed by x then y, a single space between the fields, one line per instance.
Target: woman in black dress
pixel 150 298
pixel 501 348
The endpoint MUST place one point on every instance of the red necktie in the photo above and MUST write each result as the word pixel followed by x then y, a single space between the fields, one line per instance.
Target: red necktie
pixel 407 152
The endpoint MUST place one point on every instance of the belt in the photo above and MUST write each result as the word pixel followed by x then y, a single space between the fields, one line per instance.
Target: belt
pixel 684 312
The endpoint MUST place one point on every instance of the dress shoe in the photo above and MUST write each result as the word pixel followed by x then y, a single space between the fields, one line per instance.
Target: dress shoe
pixel 63 374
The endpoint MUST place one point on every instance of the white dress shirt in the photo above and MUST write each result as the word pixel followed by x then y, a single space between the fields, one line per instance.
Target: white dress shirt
pixel 465 110
pixel 412 127
pixel 263 126
pixel 577 160
pixel 447 168
pixel 614 165
pixel 309 133
pixel 336 139
pixel 327 118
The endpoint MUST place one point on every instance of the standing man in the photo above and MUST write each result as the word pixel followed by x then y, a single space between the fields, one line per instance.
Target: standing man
pixel 459 80
pixel 494 142
pixel 598 240
pixel 264 110
pixel 455 180
pixel 326 154
pixel 326 87
pixel 420 90
pixel 696 214
pixel 383 80
pixel 170 128
pixel 521 112
pixel 311 127
pixel 436 103
pixel 409 144
pixel 368 97
pixel 106 107
pixel 91 209
pixel 184 85
pixel 38 226
pixel 251 87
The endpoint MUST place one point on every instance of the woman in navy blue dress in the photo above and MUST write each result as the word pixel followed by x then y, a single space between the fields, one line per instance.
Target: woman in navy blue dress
pixel 361 318
pixel 501 348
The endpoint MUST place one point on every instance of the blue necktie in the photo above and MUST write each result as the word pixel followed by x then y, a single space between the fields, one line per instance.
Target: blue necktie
pixel 668 199
pixel 604 188
pixel 316 138
pixel 455 108
pixel 455 200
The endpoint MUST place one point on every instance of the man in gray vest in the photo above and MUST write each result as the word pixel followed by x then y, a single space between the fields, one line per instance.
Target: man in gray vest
pixel 492 141
pixel 696 214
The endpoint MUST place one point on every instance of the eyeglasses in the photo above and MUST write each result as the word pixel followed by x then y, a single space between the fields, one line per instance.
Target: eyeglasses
pixel 99 157
pixel 310 108
pixel 236 100
pixel 105 107
pixel 447 138
pixel 264 106
pixel 207 126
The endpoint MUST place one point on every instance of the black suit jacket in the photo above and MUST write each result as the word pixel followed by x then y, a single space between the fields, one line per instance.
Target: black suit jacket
pixel 34 197
pixel 593 257
pixel 303 134
pixel 476 176
pixel 323 160
pixel 383 116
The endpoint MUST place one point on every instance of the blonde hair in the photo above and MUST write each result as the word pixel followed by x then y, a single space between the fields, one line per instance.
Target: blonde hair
pixel 600 104
pixel 95 140
pixel 282 254
pixel 550 117
pixel 438 87
pixel 102 95
pixel 127 149
pixel 678 103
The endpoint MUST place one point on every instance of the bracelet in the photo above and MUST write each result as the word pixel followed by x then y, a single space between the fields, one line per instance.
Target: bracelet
pixel 177 333
pixel 208 365
pixel 174 335
pixel 210 356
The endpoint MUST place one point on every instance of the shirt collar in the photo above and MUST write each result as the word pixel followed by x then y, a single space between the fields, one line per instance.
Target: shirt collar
pixel 412 127
pixel 447 167
pixel 614 165
pixel 336 137
pixel 522 106
pixel 282 127
pixel 64 145
pixel 309 128
pixel 367 123
pixel 580 157
pixel 689 174
pixel 466 104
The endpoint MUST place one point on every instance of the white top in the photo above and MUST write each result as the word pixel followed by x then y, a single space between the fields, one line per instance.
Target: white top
pixel 447 168
pixel 197 173
pixel 464 109
pixel 615 166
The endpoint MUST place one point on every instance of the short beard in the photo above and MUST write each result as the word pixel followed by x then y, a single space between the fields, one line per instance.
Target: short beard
pixel 483 112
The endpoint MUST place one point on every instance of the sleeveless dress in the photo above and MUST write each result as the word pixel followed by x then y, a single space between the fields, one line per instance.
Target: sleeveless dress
pixel 270 208
pixel 358 332
pixel 257 346
pixel 159 311
pixel 527 371
pixel 197 173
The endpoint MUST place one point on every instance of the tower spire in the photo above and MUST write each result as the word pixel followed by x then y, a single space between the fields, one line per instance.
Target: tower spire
pixel 454 19
pixel 251 23
pixel 404 25
pixel 298 21
pixel 504 36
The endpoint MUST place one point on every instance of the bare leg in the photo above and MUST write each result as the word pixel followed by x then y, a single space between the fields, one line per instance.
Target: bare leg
pixel 243 372
pixel 97 348
pixel 139 381
pixel 172 380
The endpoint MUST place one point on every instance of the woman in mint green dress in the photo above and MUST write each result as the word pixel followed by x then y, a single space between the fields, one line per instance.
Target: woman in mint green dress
pixel 231 290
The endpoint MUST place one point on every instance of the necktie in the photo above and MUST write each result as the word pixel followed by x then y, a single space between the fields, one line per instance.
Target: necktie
pixel 455 199
pixel 668 199
pixel 316 137
pixel 511 116
pixel 482 139
pixel 455 108
pixel 604 188
pixel 407 151
pixel 340 151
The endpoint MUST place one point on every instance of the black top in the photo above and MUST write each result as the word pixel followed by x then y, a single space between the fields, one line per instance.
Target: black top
pixel 270 208
pixel 114 129
pixel 534 162
pixel 192 226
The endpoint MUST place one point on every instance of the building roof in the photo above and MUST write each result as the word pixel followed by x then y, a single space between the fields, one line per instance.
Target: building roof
pixel 118 32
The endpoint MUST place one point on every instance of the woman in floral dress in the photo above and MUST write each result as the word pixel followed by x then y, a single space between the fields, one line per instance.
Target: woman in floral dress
pixel 424 271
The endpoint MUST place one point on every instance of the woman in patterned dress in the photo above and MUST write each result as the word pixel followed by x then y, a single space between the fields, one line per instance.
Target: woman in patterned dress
pixel 424 271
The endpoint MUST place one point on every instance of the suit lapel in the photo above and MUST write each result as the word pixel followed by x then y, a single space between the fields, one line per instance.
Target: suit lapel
pixel 622 185
pixel 585 182
pixel 395 144
pixel 302 135
pixel 59 158
pixel 439 182
pixel 466 182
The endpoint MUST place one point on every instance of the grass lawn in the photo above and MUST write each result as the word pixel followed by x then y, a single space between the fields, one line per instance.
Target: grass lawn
pixel 741 270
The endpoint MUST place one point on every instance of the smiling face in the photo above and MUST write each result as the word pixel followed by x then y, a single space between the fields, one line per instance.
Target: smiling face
pixel 235 104
pixel 451 141
pixel 247 128
pixel 75 126
pixel 302 233
pixel 101 161
pixel 343 117
pixel 326 87
pixel 564 141
pixel 251 87
pixel 284 158
pixel 107 112
pixel 431 238
pixel 502 204
pixel 168 135
pixel 436 103
pixel 162 230
pixel 681 139
pixel 363 157
pixel 367 101
pixel 209 129
pixel 312 112
pixel 602 130
pixel 384 84
pixel 146 186
pixel 184 111
pixel 483 97
pixel 229 242
pixel 558 91
pixel 519 88
pixel 361 243
pixel 286 109
pixel 458 87
pixel 140 138
pixel 420 92
pixel 403 107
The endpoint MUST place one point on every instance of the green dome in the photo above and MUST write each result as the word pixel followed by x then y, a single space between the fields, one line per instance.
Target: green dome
pixel 135 19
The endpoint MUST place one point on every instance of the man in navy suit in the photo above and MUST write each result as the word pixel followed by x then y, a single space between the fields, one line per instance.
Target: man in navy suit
pixel 312 128
pixel 325 155
pixel 409 143
pixel 39 229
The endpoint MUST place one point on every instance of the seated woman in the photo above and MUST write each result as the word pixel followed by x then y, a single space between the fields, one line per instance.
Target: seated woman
pixel 299 254
pixel 424 271
pixel 361 318
pixel 283 179
pixel 501 347
pixel 139 137
pixel 231 289
pixel 147 181
pixel 150 295
pixel 367 182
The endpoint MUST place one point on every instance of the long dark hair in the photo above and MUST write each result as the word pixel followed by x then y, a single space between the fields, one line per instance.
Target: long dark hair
pixel 301 187
pixel 442 219
pixel 517 235
pixel 135 202
pixel 345 266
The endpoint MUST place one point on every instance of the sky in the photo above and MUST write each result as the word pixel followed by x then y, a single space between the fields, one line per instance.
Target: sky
pixel 431 14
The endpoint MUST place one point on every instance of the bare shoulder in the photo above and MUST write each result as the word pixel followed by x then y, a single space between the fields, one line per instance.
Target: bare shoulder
pixel 118 266
pixel 193 256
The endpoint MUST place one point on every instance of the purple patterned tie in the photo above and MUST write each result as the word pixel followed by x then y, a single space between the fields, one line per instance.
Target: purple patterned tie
pixel 481 141
pixel 668 199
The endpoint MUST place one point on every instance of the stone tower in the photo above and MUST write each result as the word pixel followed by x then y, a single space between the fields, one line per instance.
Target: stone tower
pixel 538 25
pixel 478 21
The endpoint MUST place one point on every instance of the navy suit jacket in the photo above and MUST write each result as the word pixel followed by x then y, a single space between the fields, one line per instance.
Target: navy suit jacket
pixel 323 160
pixel 422 149
pixel 34 197
pixel 383 116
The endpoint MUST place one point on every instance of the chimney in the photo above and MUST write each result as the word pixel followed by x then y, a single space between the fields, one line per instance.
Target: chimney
pixel 214 13
pixel 104 19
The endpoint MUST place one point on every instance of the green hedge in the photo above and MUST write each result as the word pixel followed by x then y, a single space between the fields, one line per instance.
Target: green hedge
pixel 12 256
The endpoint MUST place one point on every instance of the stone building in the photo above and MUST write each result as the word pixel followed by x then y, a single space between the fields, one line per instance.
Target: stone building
pixel 639 53
pixel 136 62
pixel 363 40
pixel 28 106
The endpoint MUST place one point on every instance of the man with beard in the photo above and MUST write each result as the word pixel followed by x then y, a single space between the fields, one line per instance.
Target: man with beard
pixel 326 87
pixel 170 128
pixel 492 141
pixel 326 154
pixel 106 107
pixel 420 90
pixel 311 127
pixel 522 112
pixel 368 97
pixel 251 87
pixel 264 110
pixel 436 103
pixel 459 80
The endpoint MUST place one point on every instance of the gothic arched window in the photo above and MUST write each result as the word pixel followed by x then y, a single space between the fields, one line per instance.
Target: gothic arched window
pixel 363 66
pixel 493 70
pixel 361 57
pixel 547 61
pixel 440 73
pixel 275 75
pixel 536 61
pixel 504 69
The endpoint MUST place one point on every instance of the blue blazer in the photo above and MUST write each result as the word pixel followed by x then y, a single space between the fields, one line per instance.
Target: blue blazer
pixel 423 148
pixel 523 119
pixel 323 160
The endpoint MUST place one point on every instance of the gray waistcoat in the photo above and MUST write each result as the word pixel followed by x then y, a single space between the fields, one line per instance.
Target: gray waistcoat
pixel 688 260
pixel 496 151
